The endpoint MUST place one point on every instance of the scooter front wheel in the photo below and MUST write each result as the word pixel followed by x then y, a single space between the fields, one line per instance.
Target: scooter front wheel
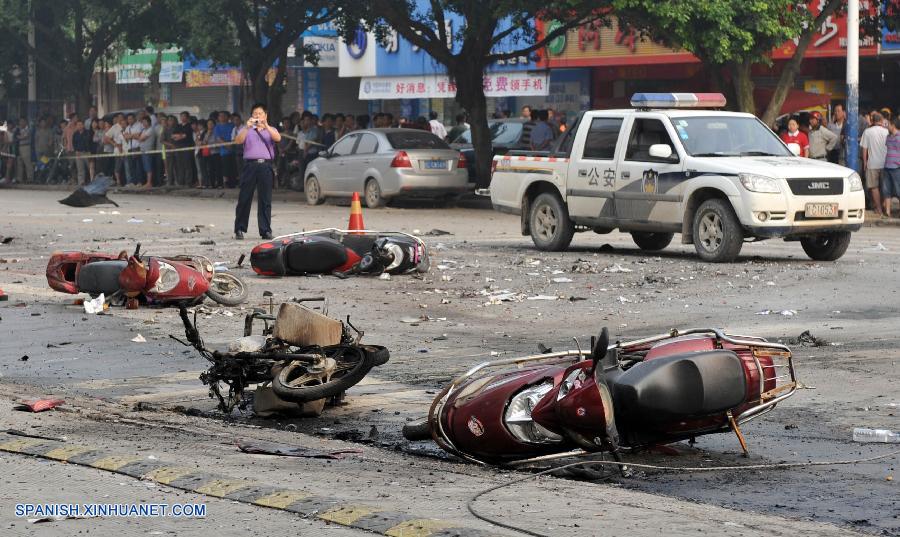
pixel 294 383
pixel 227 289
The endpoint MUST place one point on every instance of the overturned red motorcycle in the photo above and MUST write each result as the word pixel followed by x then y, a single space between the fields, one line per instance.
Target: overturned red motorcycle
pixel 626 396
pixel 341 253
pixel 152 280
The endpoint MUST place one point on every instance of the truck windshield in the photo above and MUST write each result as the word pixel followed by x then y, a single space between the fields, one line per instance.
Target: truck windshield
pixel 723 136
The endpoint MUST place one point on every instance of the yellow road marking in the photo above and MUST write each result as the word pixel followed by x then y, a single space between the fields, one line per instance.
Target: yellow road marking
pixel 66 452
pixel 114 462
pixel 16 446
pixel 420 527
pixel 281 499
pixel 222 487
pixel 348 514
pixel 167 474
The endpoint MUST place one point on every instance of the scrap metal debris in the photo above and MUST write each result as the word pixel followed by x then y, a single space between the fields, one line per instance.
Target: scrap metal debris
pixel 806 339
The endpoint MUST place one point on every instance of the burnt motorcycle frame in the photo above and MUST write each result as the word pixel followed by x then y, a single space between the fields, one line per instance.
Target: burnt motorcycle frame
pixel 785 385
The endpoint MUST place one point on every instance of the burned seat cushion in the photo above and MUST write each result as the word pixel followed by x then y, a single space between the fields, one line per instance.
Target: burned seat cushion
pixel 100 277
pixel 691 384
pixel 315 256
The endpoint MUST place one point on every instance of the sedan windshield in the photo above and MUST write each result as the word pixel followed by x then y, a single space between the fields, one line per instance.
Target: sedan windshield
pixel 724 136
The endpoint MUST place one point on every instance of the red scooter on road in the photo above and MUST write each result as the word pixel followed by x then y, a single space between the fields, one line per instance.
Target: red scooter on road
pixel 153 280
pixel 613 398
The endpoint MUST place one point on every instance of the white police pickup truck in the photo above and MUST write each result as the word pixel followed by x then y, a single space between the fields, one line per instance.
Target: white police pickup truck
pixel 665 167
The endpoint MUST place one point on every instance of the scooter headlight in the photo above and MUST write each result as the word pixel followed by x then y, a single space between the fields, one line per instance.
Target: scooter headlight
pixel 168 278
pixel 855 181
pixel 518 416
pixel 396 251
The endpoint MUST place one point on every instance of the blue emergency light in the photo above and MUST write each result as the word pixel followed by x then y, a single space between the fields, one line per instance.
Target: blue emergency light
pixel 678 100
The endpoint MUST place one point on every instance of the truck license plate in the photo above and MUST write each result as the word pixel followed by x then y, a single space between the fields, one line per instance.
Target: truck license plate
pixel 821 210
pixel 436 164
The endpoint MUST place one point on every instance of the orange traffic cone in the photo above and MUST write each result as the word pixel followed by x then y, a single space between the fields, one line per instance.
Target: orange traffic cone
pixel 356 219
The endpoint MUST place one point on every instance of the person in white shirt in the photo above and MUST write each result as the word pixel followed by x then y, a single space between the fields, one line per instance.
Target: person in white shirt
pixel 874 152
pixel 134 172
pixel 114 142
pixel 437 128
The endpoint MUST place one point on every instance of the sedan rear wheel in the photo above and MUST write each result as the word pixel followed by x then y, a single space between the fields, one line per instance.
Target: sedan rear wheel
pixel 373 194
pixel 313 191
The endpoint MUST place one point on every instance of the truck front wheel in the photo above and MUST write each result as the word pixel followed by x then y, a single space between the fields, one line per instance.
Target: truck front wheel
pixel 651 242
pixel 718 236
pixel 826 246
pixel 551 228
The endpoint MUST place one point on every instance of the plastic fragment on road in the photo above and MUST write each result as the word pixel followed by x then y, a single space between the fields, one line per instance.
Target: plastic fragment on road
pixel 880 247
pixel 785 313
pixel 616 268
pixel 40 405
pixel 563 280
pixel 543 297
pixel 885 436
pixel 95 305
pixel 384 276
pixel 135 221
pixel 139 339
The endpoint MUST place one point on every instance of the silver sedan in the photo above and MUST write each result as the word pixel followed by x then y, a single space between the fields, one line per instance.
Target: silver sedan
pixel 384 164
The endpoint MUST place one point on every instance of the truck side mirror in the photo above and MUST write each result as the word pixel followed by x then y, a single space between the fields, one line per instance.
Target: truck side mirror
pixel 795 149
pixel 661 151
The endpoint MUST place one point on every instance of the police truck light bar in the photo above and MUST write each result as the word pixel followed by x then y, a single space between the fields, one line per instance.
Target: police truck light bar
pixel 678 100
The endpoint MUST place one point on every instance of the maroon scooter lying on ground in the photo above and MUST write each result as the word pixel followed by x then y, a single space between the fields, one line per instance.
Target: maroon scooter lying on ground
pixel 613 398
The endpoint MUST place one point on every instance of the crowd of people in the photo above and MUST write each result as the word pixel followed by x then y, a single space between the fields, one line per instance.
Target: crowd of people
pixel 879 149
pixel 148 149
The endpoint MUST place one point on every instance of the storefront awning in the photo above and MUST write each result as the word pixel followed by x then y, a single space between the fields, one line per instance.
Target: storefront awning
pixel 796 100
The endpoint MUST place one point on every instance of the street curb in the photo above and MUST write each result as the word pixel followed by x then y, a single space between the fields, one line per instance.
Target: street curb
pixel 280 194
pixel 307 504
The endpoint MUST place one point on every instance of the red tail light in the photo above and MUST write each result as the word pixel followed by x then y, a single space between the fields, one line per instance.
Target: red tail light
pixel 463 162
pixel 401 160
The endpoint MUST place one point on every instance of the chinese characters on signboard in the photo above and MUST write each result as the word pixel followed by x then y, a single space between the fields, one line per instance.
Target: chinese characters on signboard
pixel 499 84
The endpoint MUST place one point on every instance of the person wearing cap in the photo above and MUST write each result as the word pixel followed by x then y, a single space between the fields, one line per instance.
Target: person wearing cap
pixel 821 140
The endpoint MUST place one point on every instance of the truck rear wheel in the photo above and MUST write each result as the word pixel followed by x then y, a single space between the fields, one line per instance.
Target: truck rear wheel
pixel 826 246
pixel 718 236
pixel 651 241
pixel 551 228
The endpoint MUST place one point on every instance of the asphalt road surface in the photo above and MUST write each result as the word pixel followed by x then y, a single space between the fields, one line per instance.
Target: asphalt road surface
pixel 437 326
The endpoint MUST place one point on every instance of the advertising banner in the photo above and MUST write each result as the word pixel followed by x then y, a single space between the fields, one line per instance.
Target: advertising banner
pixel 134 66
pixel 514 84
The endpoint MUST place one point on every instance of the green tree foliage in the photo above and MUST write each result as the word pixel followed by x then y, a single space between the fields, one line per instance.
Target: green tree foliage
pixel 71 36
pixel 731 37
pixel 466 50
pixel 252 34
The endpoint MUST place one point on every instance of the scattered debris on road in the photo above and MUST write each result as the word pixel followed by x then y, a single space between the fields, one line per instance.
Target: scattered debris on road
pixel 271 448
pixel 91 194
pixel 40 405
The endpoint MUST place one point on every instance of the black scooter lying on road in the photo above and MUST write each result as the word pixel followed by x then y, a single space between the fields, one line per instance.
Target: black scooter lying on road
pixel 302 358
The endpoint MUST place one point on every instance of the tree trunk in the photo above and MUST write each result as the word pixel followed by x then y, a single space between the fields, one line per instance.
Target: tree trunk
pixel 470 95
pixel 154 89
pixel 276 90
pixel 260 88
pixel 792 67
pixel 83 92
pixel 743 86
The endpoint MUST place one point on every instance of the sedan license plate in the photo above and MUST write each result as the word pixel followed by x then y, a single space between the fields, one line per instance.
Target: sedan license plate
pixel 821 210
pixel 436 164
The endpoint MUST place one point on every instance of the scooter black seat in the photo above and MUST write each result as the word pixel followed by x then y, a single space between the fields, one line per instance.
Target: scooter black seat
pixel 680 386
pixel 315 256
pixel 101 277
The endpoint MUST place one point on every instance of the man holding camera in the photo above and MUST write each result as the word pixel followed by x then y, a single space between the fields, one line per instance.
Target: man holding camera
pixel 258 139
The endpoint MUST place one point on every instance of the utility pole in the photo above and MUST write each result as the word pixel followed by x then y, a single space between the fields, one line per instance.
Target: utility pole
pixel 32 70
pixel 853 83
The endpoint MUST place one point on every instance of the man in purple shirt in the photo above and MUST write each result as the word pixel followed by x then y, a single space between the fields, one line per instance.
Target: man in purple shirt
pixel 258 140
